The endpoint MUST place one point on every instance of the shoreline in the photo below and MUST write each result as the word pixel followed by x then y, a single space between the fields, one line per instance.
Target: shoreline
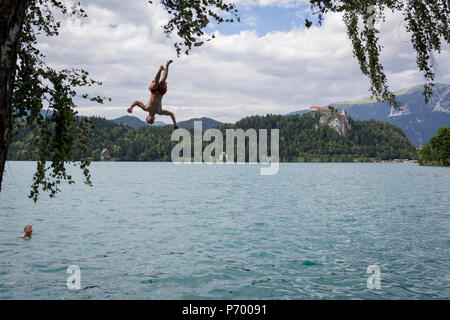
pixel 404 161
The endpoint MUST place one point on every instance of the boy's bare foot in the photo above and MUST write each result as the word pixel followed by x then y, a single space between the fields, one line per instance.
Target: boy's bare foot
pixel 169 62
pixel 175 127
pixel 129 110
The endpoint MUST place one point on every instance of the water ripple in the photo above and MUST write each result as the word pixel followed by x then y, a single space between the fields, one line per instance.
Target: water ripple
pixel 225 232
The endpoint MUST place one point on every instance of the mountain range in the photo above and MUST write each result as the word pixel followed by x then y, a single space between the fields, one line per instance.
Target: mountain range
pixel 418 120
pixel 136 123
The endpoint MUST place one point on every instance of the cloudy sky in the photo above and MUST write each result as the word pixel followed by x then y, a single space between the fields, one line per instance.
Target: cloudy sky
pixel 268 63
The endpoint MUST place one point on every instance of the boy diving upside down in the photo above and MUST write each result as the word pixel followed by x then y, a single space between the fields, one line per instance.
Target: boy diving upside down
pixel 157 89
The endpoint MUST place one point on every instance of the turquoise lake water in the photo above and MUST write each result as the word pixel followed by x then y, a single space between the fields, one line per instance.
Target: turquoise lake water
pixel 162 231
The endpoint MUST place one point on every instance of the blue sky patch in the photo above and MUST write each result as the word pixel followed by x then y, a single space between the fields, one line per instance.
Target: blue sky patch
pixel 265 19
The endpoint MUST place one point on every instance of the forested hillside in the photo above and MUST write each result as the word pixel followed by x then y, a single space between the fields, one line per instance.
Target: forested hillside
pixel 302 138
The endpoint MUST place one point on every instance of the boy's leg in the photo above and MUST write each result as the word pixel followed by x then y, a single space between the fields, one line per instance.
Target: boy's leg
pixel 136 103
pixel 166 71
pixel 158 75
pixel 168 113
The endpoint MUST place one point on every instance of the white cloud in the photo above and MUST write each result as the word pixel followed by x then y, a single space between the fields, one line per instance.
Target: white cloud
pixel 268 3
pixel 230 77
pixel 251 20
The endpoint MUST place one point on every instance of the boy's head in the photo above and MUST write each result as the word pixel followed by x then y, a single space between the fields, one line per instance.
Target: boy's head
pixel 28 229
pixel 150 118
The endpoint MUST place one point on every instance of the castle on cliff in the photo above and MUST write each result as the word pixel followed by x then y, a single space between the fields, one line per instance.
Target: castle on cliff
pixel 328 109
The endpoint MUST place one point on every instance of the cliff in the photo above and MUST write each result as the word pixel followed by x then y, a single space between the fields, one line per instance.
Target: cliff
pixel 338 121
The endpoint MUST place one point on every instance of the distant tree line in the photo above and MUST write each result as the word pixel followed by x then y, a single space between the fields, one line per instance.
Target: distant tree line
pixel 437 150
pixel 302 139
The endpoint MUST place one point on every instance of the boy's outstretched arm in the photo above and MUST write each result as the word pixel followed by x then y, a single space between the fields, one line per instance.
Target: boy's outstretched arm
pixel 136 103
pixel 168 113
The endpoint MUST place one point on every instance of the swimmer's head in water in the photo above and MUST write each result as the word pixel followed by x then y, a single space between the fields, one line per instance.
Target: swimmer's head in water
pixel 28 229
pixel 150 119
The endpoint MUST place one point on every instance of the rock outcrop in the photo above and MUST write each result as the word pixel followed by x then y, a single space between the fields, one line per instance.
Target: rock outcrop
pixel 337 121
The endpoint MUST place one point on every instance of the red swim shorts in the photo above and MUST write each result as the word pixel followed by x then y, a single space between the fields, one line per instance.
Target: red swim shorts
pixel 162 88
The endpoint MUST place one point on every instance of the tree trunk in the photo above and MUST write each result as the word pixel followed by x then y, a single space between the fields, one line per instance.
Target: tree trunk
pixel 12 13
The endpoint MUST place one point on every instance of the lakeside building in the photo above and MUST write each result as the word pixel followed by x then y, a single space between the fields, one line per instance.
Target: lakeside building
pixel 105 154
